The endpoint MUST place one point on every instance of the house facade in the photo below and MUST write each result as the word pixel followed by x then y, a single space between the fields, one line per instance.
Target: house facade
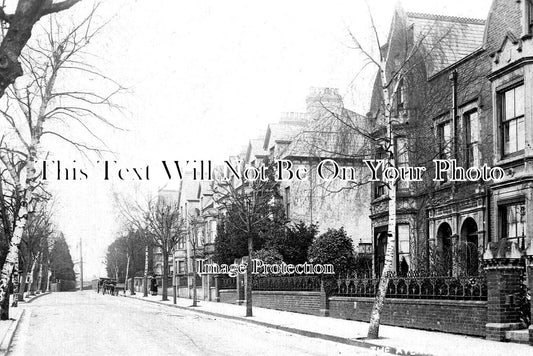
pixel 325 131
pixel 466 98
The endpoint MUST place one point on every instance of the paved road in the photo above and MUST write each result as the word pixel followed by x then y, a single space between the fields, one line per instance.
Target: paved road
pixel 87 323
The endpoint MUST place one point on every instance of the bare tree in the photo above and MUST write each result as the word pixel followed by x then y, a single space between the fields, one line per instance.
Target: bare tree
pixel 35 239
pixel 134 213
pixel 124 254
pixel 247 206
pixel 40 104
pixel 166 227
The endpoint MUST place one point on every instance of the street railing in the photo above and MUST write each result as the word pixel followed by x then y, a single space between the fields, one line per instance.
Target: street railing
pixel 225 282
pixel 286 283
pixel 415 286
pixel 275 283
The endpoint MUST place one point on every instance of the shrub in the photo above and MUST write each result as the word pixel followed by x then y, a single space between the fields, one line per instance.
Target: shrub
pixel 336 248
pixel 295 243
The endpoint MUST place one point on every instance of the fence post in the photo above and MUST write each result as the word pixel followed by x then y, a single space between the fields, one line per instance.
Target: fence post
pixel 504 273
pixel 324 301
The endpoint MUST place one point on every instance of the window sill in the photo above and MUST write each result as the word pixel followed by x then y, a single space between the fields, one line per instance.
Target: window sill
pixel 511 158
pixel 380 198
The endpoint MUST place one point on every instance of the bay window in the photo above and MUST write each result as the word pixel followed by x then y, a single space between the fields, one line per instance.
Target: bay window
pixel 513 222
pixel 512 120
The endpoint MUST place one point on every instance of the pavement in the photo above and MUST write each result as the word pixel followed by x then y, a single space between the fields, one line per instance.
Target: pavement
pixel 393 340
pixel 9 327
pixel 87 323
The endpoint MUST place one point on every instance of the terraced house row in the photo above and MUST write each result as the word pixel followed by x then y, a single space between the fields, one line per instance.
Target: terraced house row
pixel 467 95
pixel 462 90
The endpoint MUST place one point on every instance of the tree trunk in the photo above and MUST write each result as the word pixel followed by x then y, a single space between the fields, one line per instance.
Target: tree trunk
pixel 45 258
pixel 25 186
pixel 132 277
pixel 249 278
pixel 174 287
pixel 194 287
pixel 40 278
pixel 145 287
pixel 4 307
pixel 31 287
pixel 164 280
pixel 21 23
pixel 22 286
pixel 16 284
pixel 13 252
pixel 127 270
pixel 375 316
pixel 46 279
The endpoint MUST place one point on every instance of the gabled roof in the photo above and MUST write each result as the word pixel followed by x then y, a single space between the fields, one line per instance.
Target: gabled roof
pixel 255 149
pixel 445 39
pixel 188 188
pixel 282 132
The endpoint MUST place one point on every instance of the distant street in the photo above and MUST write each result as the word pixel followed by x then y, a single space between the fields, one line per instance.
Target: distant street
pixel 87 323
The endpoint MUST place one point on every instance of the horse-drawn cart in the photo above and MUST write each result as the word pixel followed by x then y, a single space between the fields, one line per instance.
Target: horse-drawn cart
pixel 109 286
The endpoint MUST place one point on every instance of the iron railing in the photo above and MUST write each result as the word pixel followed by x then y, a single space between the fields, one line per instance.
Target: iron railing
pixel 278 283
pixel 286 283
pixel 225 282
pixel 415 286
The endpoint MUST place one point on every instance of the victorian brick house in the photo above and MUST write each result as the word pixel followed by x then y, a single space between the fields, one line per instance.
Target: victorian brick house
pixel 326 130
pixel 466 95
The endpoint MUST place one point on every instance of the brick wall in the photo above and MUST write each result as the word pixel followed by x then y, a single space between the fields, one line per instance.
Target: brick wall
pixel 228 296
pixel 299 302
pixel 462 317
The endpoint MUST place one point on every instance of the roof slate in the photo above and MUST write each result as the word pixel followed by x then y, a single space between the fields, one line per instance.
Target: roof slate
pixel 446 39
pixel 283 131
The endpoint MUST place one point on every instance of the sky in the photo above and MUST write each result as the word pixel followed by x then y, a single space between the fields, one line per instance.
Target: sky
pixel 202 78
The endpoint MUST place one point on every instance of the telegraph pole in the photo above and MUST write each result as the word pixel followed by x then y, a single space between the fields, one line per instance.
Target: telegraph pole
pixel 81 267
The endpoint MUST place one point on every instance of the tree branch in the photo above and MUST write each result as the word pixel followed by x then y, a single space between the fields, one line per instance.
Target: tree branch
pixel 58 6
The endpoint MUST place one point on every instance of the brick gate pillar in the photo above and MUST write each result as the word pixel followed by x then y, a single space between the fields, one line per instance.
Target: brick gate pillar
pixel 529 269
pixel 217 288
pixel 240 289
pixel 324 299
pixel 503 280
